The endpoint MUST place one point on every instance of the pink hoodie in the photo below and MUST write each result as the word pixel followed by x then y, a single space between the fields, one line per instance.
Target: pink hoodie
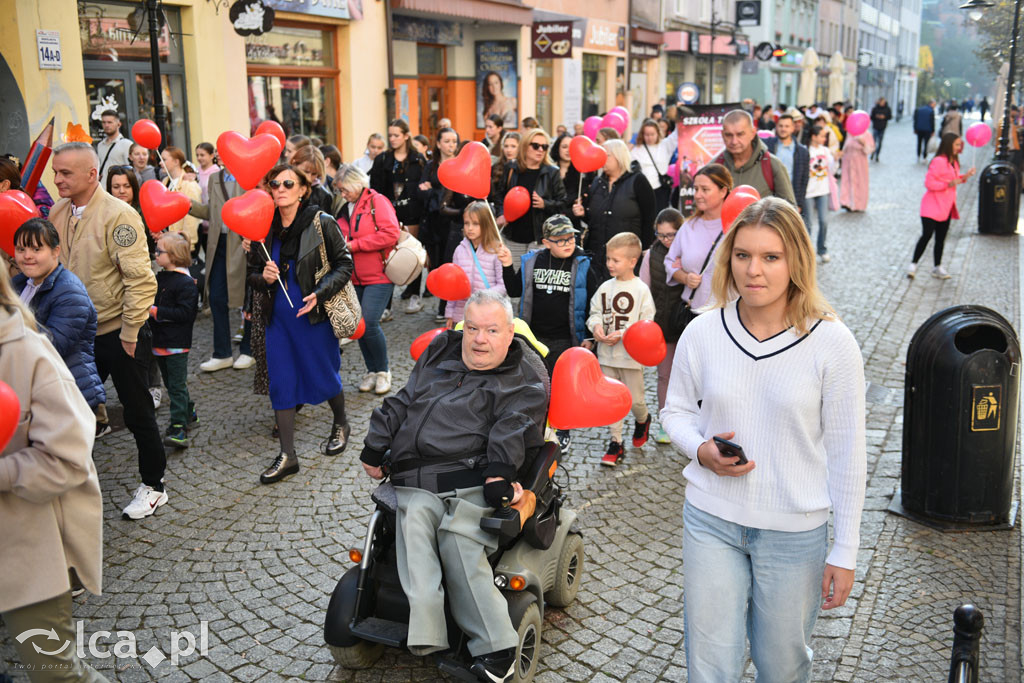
pixel 939 202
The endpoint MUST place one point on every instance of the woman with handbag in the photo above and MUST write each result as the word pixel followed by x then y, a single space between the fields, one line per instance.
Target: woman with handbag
pixel 654 154
pixel 370 226
pixel 310 264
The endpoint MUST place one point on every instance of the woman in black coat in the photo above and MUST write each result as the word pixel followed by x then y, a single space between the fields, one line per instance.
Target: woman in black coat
pixel 300 353
pixel 621 200
pixel 534 171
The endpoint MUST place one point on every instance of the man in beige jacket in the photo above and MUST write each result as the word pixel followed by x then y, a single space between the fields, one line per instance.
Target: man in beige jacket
pixel 104 244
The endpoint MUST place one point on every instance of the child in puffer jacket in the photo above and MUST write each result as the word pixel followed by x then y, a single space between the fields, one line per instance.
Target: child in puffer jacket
pixel 477 255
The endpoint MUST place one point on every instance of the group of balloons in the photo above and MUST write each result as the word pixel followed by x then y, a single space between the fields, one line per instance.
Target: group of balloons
pixel 617 118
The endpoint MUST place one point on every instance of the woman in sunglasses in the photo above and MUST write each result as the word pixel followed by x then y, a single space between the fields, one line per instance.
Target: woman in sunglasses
pixel 533 170
pixel 299 356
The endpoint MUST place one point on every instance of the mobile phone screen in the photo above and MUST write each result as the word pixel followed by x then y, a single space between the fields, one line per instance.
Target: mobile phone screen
pixel 731 450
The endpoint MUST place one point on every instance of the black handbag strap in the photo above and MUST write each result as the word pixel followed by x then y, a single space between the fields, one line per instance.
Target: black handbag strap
pixel 107 157
pixel 653 162
pixel 707 259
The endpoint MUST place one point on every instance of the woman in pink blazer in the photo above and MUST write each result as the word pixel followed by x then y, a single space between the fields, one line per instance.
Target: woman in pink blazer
pixel 938 206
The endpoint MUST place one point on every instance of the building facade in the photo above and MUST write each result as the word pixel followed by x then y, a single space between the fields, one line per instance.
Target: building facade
pixel 704 50
pixel 908 47
pixel 878 52
pixel 792 25
pixel 838 26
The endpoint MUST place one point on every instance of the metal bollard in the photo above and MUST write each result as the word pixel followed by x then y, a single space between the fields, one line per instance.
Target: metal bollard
pixel 968 623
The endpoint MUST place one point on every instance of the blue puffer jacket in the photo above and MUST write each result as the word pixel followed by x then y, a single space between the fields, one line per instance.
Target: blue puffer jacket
pixel 65 312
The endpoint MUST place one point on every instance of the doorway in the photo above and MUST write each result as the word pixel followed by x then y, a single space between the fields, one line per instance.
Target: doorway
pixel 433 93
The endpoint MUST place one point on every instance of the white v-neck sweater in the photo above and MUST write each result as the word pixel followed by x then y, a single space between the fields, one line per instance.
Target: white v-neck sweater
pixel 796 404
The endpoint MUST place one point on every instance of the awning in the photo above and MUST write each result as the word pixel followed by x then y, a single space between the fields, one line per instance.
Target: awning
pixel 501 11
pixel 643 35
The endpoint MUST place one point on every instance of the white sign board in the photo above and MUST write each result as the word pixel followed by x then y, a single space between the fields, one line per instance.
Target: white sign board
pixel 48 49
pixel 572 101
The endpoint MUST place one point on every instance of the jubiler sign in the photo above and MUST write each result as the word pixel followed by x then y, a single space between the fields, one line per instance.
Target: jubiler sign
pixel 551 40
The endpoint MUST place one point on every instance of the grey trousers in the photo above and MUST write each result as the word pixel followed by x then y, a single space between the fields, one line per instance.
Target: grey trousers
pixel 443 531
pixel 55 614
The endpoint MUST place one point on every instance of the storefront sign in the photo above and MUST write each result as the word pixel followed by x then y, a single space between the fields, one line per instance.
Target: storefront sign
pixel 764 51
pixel 551 40
pixel 644 50
pixel 420 30
pixel 497 81
pixel 601 35
pixel 337 9
pixel 48 49
pixel 688 93
pixel 251 17
pixel 288 46
pixel 572 91
pixel 748 12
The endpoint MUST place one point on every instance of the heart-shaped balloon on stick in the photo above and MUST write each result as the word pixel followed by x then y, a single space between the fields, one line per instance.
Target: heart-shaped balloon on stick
pixel 147 134
pixel 516 204
pixel 248 159
pixel 10 414
pixel 645 343
pixel 16 207
pixel 591 126
pixel 449 282
pixel 857 122
pixel 615 120
pixel 161 207
pixel 586 155
pixel 249 215
pixel 468 173
pixel 420 343
pixel 581 396
pixel 733 206
pixel 978 134
pixel 274 128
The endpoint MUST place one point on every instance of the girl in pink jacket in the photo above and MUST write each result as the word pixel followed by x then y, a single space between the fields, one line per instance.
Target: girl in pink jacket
pixel 938 206
pixel 477 255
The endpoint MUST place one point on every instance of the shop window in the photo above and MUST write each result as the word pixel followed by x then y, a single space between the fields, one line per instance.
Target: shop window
pixel 676 76
pixel 430 60
pixel 303 106
pixel 545 88
pixel 594 84
pixel 109 32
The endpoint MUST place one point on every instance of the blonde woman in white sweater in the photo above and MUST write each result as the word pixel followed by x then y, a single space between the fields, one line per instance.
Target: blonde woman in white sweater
pixel 774 371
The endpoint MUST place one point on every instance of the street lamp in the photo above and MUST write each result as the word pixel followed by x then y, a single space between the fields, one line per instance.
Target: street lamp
pixel 999 184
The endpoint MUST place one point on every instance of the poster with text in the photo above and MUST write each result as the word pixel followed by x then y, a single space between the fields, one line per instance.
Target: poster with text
pixel 700 140
pixel 497 81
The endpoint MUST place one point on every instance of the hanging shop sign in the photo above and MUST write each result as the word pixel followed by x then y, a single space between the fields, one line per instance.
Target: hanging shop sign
pixel 551 40
pixel 748 12
pixel 764 51
pixel 337 9
pixel 251 17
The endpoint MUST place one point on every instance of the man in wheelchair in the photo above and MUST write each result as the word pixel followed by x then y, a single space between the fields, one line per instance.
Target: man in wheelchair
pixel 458 433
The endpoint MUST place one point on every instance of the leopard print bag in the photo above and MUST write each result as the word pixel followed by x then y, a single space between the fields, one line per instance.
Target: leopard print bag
pixel 343 308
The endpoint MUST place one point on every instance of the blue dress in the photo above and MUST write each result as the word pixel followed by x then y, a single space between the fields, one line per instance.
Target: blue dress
pixel 303 360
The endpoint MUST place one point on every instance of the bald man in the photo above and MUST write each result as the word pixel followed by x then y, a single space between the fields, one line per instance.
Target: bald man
pixel 104 243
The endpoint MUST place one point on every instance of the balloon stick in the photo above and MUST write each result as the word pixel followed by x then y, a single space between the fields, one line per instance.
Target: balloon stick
pixel 284 290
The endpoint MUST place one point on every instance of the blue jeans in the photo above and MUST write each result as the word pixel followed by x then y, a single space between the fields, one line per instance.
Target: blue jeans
pixel 217 272
pixel 740 582
pixel 374 299
pixel 877 135
pixel 820 205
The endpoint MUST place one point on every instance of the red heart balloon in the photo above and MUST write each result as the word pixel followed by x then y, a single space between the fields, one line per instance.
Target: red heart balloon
pixel 249 215
pixel 645 343
pixel 160 207
pixel 274 128
pixel 468 173
pixel 248 159
pixel 147 134
pixel 586 155
pixel 517 203
pixel 581 396
pixel 747 189
pixel 360 330
pixel 16 207
pixel 449 282
pixel 420 343
pixel 733 206
pixel 10 414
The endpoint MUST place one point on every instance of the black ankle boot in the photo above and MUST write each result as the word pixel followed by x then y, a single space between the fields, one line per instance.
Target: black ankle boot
pixel 338 439
pixel 284 465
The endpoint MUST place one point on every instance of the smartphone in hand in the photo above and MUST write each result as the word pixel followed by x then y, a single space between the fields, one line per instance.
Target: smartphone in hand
pixel 731 450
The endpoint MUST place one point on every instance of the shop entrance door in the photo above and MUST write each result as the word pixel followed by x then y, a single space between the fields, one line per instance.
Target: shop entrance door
pixel 130 93
pixel 433 95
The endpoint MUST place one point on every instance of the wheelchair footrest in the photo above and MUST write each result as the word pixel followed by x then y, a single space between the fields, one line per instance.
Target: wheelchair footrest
pixel 391 633
pixel 455 669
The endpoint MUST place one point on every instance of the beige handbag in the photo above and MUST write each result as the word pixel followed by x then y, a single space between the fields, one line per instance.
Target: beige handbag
pixel 343 308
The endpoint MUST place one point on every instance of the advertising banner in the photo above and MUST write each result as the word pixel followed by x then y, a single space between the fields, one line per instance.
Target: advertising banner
pixel 497 81
pixel 700 140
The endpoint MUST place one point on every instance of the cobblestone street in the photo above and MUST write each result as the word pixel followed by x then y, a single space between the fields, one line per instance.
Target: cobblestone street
pixel 258 563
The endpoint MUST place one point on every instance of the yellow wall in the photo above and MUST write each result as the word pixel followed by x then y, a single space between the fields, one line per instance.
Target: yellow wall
pixel 363 77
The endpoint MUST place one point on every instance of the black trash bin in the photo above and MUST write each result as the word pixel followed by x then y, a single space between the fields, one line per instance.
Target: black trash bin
pixel 998 198
pixel 960 420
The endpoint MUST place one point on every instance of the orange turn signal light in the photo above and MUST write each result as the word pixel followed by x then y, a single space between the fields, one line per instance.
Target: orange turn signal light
pixel 356 555
pixel 553 468
pixel 517 583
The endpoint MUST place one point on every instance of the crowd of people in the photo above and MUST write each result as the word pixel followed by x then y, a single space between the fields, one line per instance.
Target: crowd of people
pixel 593 254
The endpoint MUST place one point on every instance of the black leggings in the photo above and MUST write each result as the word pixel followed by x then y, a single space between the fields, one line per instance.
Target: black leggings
pixel 929 226
pixel 922 144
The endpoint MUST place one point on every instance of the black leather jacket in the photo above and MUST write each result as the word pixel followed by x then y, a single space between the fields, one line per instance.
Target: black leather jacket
pixel 307 263
pixel 549 186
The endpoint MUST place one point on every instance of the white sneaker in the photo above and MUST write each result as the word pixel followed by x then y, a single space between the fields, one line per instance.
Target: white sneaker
pixel 940 273
pixel 369 382
pixel 383 383
pixel 145 502
pixel 215 364
pixel 825 258
pixel 157 394
pixel 414 305
pixel 243 362
pixel 912 270
pixel 346 341
pixel 386 316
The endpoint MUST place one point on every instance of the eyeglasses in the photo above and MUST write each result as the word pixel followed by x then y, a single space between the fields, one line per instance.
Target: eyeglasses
pixel 539 147
pixel 562 242
pixel 667 236
pixel 288 184
pixel 159 251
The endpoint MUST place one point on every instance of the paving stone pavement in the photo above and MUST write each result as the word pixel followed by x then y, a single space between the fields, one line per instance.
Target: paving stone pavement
pixel 258 563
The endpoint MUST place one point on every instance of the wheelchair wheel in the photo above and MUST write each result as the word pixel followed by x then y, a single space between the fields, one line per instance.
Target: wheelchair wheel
pixel 568 573
pixel 528 650
pixel 362 655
